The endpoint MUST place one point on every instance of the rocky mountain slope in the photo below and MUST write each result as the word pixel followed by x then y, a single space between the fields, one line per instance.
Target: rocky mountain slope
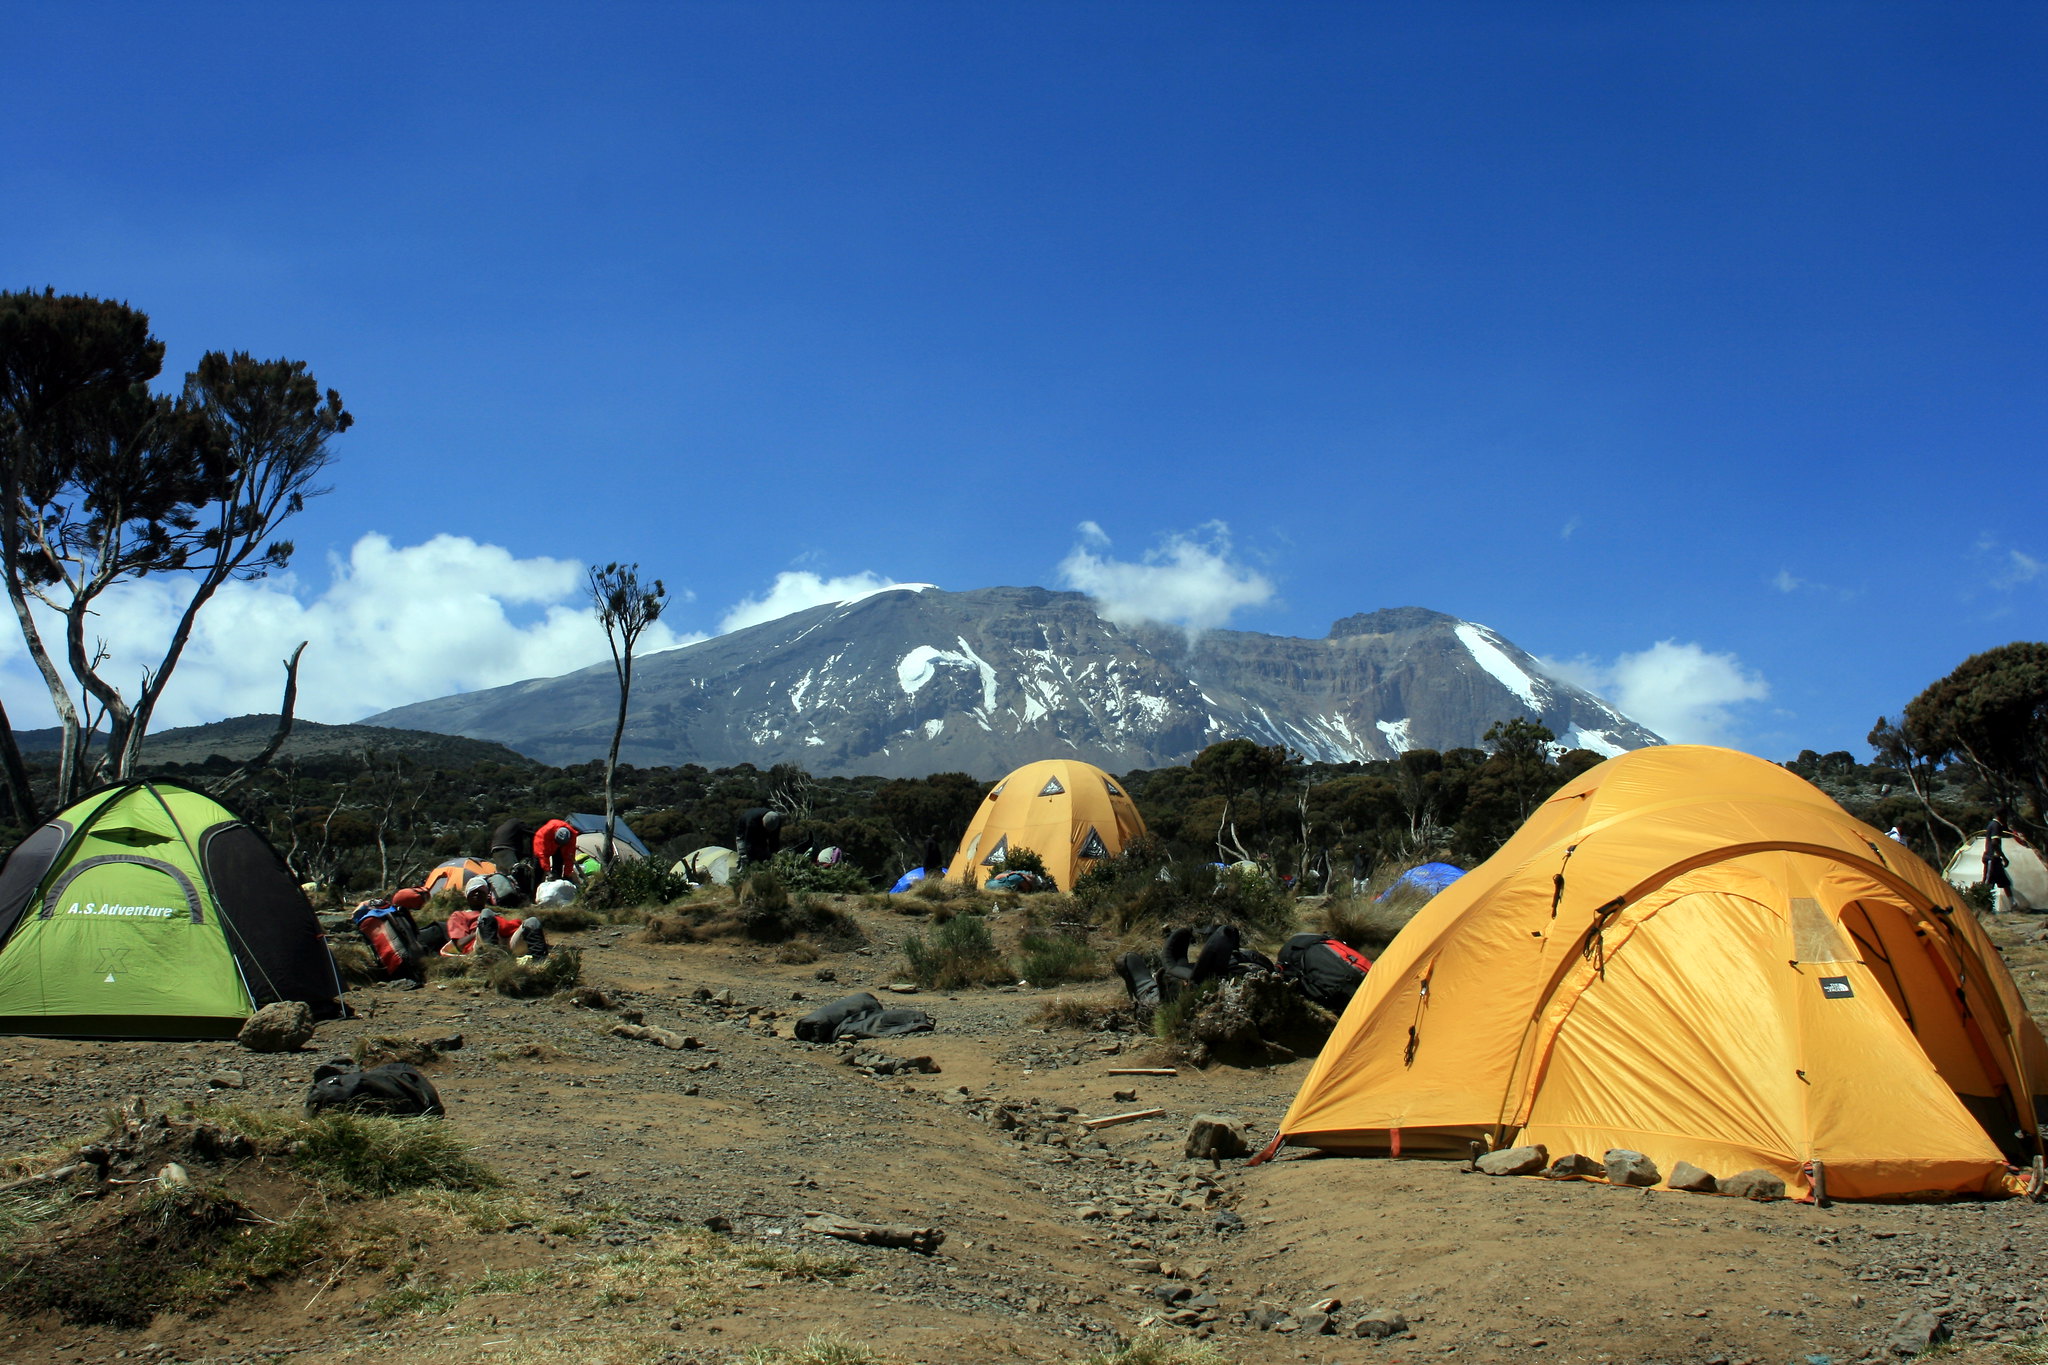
pixel 242 737
pixel 912 680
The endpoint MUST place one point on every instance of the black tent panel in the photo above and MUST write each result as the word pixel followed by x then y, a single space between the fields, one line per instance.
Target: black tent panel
pixel 24 871
pixel 274 934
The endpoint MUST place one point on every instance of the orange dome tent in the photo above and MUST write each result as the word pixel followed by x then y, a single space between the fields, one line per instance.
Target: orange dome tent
pixel 454 874
pixel 1695 954
pixel 1068 812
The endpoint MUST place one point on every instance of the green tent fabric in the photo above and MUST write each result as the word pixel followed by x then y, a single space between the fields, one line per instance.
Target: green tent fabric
pixel 149 910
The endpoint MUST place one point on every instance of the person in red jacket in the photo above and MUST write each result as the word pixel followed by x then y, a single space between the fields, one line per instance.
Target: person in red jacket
pixel 554 849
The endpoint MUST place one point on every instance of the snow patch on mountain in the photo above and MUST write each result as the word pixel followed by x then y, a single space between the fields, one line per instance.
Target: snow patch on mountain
pixel 1396 732
pixel 1597 740
pixel 1486 651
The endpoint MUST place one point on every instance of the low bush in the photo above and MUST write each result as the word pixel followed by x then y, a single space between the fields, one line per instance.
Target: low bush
pixel 354 960
pixel 1090 1015
pixel 558 971
pixel 1192 892
pixel 375 1049
pixel 1046 958
pixel 1157 1348
pixel 801 872
pixel 633 885
pixel 961 952
pixel 1368 925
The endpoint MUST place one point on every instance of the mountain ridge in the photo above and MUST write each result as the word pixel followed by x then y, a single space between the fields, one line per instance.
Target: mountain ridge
pixel 912 679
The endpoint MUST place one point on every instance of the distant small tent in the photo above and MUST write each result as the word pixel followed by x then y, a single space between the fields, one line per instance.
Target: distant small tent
pixel 454 874
pixel 1695 954
pixel 590 848
pixel 713 861
pixel 2022 865
pixel 587 825
pixel 148 910
pixel 1071 814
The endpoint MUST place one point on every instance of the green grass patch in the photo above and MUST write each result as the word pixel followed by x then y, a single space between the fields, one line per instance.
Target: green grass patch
pixel 961 952
pixel 560 970
pixel 819 1348
pixel 1047 959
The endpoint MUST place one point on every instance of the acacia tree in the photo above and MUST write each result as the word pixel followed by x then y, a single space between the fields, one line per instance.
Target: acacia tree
pixel 1992 713
pixel 626 608
pixel 103 482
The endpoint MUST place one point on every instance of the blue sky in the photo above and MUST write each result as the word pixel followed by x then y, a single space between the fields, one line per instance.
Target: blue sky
pixel 1697 347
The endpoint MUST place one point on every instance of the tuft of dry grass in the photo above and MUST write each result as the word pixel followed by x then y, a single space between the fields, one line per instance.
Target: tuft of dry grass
pixel 798 951
pixel 1090 1014
pixel 1156 1348
pixel 374 1049
pixel 560 970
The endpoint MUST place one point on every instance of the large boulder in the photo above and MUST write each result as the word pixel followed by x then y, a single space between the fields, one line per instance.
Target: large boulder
pixel 1686 1176
pixel 1757 1184
pixel 1626 1166
pixel 1211 1137
pixel 1514 1161
pixel 285 1026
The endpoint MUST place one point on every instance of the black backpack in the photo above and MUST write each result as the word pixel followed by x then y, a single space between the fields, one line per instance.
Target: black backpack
pixel 393 1088
pixel 1324 970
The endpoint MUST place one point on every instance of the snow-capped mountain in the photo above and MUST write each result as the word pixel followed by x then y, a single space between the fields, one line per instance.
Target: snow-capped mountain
pixel 912 680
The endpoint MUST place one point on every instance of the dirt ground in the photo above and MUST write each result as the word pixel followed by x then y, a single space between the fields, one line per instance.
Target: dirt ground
pixel 1059 1241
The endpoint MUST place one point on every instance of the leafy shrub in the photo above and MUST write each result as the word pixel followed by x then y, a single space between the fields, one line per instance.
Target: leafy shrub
pixel 1368 925
pixel 768 915
pixel 1021 859
pixel 630 885
pixel 1195 892
pixel 1048 958
pixel 1980 898
pixel 961 953
pixel 799 872
pixel 1078 1012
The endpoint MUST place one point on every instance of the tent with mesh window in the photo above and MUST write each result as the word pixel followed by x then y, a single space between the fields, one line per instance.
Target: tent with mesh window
pixel 147 910
pixel 1695 954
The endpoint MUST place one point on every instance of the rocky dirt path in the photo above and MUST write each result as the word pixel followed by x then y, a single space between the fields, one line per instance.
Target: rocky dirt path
pixel 1059 1238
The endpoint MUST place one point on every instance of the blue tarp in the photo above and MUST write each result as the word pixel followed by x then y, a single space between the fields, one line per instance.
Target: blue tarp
pixel 910 879
pixel 1431 877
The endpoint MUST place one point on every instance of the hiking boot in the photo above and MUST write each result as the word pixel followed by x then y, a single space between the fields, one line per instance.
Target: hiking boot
pixel 535 936
pixel 487 930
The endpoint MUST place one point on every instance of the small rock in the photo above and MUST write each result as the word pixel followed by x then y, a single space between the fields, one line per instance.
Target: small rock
pixel 1170 1294
pixel 1326 1305
pixel 173 1174
pixel 1514 1161
pixel 1573 1166
pixel 1686 1176
pixel 1206 1303
pixel 448 1043
pixel 1757 1184
pixel 285 1026
pixel 1265 1319
pixel 1380 1323
pixel 1914 1333
pixel 1034 1304
pixel 226 1080
pixel 633 1016
pixel 1226 1221
pixel 1316 1324
pixel 902 987
pixel 827 974
pixel 718 1222
pixel 1124 1096
pixel 1626 1166
pixel 1215 1138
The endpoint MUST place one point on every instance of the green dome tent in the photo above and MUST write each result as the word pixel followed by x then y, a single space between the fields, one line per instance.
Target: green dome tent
pixel 148 910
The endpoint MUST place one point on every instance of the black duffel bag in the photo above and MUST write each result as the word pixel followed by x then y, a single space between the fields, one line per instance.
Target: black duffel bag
pixel 394 1088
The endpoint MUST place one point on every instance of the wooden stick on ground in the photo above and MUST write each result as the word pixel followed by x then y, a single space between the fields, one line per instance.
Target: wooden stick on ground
pixel 1131 1117
pixel 922 1240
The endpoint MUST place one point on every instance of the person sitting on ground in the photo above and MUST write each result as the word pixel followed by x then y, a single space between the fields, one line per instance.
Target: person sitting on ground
pixel 478 922
pixel 554 850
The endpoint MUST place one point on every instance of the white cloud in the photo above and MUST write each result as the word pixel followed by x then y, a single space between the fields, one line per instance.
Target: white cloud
pixel 796 590
pixel 1570 528
pixel 2020 567
pixel 1684 692
pixel 1187 580
pixel 1785 582
pixel 395 624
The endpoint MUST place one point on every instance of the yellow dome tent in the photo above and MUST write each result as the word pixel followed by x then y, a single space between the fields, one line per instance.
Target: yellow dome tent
pixel 1694 954
pixel 1066 811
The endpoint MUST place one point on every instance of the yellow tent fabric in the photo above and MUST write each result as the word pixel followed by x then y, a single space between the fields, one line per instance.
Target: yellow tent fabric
pixel 1066 811
pixel 1695 954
